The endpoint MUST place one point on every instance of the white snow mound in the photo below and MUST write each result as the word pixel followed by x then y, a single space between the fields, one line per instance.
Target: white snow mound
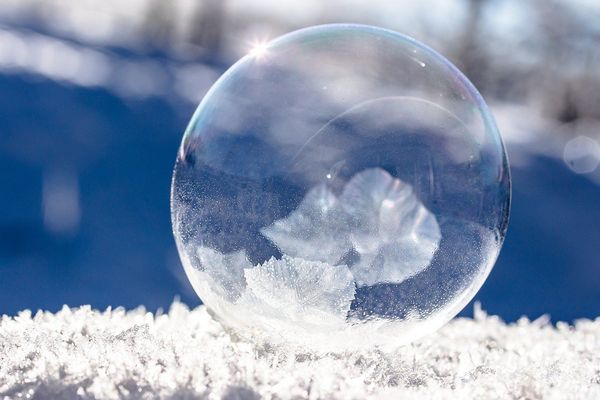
pixel 82 353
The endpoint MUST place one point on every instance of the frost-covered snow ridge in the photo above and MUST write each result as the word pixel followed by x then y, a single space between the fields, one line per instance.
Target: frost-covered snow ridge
pixel 82 353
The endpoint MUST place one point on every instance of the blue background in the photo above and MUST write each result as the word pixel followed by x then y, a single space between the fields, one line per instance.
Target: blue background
pixel 120 251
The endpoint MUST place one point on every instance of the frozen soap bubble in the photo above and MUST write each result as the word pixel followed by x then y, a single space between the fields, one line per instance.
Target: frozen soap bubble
pixel 340 186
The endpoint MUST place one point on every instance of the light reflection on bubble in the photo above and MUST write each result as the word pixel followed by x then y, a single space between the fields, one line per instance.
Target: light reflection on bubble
pixel 258 49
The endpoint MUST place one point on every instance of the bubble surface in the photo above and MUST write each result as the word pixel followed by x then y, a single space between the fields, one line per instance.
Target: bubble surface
pixel 340 186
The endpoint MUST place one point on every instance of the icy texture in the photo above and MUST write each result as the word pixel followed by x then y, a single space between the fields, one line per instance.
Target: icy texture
pixel 81 353
pixel 377 215
pixel 316 230
pixel 225 272
pixel 285 290
pixel 300 290
pixel 395 235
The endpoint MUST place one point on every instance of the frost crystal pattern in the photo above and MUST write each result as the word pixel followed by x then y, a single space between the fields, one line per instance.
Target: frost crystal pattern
pixel 307 291
pixel 376 215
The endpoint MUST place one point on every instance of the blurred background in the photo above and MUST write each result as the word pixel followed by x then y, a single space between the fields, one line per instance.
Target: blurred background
pixel 95 96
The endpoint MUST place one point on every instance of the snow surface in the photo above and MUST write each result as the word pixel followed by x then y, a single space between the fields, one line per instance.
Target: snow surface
pixel 82 353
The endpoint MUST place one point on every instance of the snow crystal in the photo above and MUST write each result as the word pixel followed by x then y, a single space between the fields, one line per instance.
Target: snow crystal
pixel 82 353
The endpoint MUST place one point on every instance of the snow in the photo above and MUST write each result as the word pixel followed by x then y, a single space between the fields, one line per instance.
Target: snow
pixel 82 353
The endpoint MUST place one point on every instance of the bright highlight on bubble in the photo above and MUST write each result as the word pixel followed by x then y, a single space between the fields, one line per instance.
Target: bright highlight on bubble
pixel 258 49
pixel 342 186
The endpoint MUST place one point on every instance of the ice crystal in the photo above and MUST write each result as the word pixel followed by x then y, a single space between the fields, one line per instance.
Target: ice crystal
pixel 377 215
pixel 300 290
pixel 118 354
pixel 225 271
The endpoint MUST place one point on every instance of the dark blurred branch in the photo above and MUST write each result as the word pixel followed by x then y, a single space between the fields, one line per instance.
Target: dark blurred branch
pixel 471 54
pixel 208 24
pixel 158 26
pixel 566 52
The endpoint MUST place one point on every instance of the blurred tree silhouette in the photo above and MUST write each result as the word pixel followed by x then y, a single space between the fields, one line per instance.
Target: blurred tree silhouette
pixel 207 26
pixel 471 56
pixel 158 26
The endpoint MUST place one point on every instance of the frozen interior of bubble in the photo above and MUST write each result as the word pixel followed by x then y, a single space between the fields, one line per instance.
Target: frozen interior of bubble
pixel 376 216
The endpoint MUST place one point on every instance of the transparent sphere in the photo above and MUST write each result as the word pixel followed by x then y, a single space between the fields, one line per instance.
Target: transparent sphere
pixel 340 186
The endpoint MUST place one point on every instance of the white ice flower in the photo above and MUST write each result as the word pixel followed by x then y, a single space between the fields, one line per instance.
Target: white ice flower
pixel 224 271
pixel 377 215
pixel 298 290
pixel 308 231
pixel 392 231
